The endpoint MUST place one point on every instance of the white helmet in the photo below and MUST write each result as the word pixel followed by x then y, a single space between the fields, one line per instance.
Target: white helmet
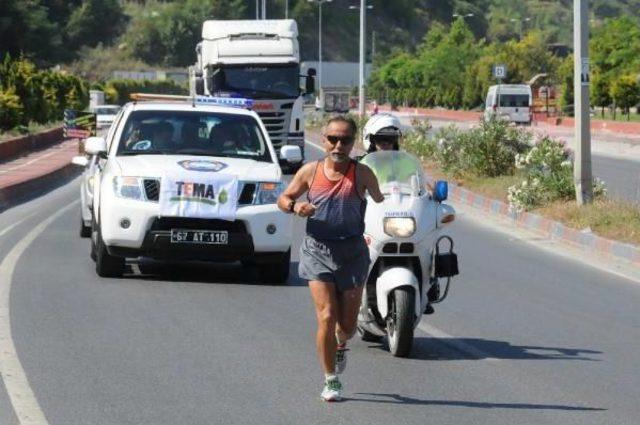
pixel 380 124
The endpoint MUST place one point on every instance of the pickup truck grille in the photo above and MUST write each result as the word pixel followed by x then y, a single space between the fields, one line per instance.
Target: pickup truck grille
pixel 152 191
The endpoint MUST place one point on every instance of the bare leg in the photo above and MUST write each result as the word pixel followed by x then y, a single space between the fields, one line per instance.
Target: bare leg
pixel 348 306
pixel 325 301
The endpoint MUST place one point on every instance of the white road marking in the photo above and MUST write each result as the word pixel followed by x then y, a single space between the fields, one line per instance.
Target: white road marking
pixel 24 402
pixel 8 229
pixel 38 158
pixel 456 343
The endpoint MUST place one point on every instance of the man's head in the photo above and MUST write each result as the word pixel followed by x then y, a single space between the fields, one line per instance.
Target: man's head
pixel 338 137
pixel 382 132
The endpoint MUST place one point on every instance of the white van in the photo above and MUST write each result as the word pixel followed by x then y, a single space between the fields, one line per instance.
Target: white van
pixel 514 100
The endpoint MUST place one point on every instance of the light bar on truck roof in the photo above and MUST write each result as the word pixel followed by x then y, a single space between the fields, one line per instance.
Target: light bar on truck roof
pixel 237 102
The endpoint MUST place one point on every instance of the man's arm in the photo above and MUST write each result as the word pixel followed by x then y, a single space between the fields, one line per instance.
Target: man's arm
pixel 299 185
pixel 371 183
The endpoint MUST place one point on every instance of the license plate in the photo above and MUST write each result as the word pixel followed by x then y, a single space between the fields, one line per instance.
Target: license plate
pixel 211 237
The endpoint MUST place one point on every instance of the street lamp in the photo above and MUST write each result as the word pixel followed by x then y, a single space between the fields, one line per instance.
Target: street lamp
pixel 363 19
pixel 320 46
pixel 521 21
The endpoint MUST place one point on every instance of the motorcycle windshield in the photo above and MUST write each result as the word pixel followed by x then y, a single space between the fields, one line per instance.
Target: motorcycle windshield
pixel 396 169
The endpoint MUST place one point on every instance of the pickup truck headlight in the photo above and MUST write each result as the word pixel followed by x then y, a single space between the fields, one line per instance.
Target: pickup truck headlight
pixel 268 193
pixel 400 227
pixel 128 187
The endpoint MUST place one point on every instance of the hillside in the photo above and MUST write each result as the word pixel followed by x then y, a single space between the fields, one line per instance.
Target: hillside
pixel 163 33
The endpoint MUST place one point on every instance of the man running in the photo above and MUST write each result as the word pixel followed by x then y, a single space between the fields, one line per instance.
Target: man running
pixel 334 257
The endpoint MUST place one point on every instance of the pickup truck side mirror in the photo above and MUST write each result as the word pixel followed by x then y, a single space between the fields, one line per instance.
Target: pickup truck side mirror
pixel 96 146
pixel 291 154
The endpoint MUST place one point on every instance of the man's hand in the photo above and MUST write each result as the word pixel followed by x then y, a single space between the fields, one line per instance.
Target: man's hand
pixel 304 209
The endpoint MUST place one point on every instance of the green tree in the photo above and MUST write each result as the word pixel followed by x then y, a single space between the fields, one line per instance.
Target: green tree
pixel 625 92
pixel 93 22
pixel 600 91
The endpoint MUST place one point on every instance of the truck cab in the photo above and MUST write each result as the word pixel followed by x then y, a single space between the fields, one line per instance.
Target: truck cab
pixel 260 60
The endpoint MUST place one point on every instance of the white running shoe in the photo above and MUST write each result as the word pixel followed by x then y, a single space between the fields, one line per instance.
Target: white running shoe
pixel 332 390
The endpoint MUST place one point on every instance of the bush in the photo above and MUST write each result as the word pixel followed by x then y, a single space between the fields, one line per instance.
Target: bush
pixel 549 176
pixel 417 140
pixel 10 109
pixel 119 91
pixel 488 150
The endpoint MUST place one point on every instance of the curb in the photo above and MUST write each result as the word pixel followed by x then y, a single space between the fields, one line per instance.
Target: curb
pixel 24 191
pixel 15 147
pixel 585 241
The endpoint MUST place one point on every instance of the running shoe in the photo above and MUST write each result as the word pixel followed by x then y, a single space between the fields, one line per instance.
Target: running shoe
pixel 332 390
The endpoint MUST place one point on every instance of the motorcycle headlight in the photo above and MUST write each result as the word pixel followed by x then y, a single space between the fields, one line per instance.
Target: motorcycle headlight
pixel 128 187
pixel 268 193
pixel 399 227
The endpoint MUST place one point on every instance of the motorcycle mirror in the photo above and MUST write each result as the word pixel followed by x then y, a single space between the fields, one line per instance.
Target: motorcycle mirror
pixel 441 191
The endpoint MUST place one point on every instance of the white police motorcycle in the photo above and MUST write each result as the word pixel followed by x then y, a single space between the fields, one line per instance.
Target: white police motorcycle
pixel 409 255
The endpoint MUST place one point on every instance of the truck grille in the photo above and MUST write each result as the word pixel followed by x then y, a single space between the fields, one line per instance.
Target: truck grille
pixel 275 124
pixel 152 191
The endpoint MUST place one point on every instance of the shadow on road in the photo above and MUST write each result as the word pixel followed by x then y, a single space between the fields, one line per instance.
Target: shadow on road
pixel 435 349
pixel 399 399
pixel 203 272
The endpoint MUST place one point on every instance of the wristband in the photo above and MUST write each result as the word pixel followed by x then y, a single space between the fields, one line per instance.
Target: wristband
pixel 292 204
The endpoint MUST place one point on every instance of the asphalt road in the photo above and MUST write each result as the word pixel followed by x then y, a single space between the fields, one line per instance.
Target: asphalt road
pixel 525 337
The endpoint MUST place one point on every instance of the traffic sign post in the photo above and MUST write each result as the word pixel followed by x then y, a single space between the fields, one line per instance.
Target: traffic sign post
pixel 499 73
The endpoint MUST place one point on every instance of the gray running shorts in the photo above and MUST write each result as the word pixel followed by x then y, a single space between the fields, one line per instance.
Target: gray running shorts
pixel 344 263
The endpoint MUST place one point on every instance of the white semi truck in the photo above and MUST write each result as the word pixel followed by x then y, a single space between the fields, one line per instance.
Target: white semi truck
pixel 260 60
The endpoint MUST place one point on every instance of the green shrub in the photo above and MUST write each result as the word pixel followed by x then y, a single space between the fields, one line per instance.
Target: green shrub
pixel 549 176
pixel 417 140
pixel 119 91
pixel 10 109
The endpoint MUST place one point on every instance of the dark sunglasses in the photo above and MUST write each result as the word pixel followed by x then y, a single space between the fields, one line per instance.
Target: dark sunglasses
pixel 384 139
pixel 346 140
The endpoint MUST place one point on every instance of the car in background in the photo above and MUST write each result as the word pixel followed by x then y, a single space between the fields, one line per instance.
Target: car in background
pixel 90 164
pixel 509 102
pixel 105 114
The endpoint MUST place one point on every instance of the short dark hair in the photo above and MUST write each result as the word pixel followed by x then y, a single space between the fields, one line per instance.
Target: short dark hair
pixel 341 118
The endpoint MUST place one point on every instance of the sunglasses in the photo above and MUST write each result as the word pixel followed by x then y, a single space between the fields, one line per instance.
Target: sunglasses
pixel 346 140
pixel 384 139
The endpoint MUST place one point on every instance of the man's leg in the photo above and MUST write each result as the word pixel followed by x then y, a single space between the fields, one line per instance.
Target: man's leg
pixel 325 301
pixel 348 306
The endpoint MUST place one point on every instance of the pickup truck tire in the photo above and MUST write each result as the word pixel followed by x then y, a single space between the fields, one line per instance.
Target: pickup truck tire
pixel 85 231
pixel 277 271
pixel 107 265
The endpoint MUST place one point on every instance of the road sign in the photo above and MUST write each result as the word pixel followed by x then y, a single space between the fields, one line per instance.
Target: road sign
pixel 78 124
pixel 500 71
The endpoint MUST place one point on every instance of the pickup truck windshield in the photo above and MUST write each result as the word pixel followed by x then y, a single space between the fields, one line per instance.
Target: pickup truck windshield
pixel 259 81
pixel 193 133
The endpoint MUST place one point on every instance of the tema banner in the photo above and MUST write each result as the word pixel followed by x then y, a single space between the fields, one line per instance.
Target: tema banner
pixel 199 195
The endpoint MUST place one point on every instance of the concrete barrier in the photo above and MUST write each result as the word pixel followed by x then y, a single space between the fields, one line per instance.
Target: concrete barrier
pixel 16 147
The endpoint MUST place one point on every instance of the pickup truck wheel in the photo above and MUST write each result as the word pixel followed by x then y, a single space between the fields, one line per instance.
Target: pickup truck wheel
pixel 94 236
pixel 85 231
pixel 275 271
pixel 107 265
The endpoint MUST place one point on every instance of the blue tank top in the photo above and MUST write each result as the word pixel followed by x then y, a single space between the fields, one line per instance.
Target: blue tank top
pixel 339 207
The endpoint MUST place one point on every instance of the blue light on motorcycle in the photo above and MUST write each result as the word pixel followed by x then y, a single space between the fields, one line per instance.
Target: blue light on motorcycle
pixel 441 191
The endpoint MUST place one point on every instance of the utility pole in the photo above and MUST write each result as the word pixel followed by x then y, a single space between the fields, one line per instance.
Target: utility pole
pixel 257 9
pixel 286 9
pixel 373 46
pixel 363 36
pixel 264 9
pixel 582 140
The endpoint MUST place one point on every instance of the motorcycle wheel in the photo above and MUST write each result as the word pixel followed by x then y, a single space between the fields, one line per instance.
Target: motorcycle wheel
pixel 400 322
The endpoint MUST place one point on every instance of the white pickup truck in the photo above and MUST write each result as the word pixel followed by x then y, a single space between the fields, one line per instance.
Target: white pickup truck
pixel 190 181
